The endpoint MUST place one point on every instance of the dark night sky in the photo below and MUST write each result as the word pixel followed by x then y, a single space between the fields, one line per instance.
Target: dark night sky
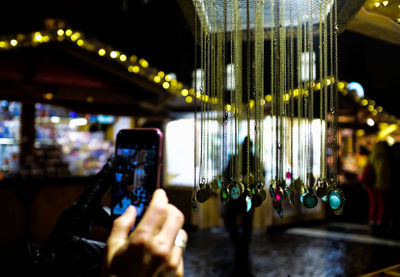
pixel 158 31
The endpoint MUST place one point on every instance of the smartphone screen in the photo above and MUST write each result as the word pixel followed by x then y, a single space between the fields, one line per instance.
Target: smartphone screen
pixel 137 175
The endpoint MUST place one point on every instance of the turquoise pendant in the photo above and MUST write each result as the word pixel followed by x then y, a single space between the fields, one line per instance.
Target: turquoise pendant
pixel 248 203
pixel 309 200
pixel 336 200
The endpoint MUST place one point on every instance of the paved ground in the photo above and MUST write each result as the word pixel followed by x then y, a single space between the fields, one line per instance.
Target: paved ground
pixel 329 249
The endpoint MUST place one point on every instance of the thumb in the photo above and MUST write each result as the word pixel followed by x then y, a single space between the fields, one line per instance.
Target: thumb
pixel 123 225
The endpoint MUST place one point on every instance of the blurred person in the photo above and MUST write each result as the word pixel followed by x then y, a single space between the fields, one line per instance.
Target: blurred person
pixel 153 248
pixel 395 190
pixel 377 186
pixel 237 220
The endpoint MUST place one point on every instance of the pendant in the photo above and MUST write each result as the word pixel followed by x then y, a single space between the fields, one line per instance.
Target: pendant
pixel 224 194
pixel 203 194
pixel 336 200
pixel 195 207
pixel 278 207
pixel 237 190
pixel 321 187
pixel 248 203
pixel 272 185
pixel 309 200
pixel 258 197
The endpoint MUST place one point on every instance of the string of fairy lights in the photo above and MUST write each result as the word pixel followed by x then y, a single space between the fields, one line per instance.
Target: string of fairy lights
pixel 141 66
pixel 387 8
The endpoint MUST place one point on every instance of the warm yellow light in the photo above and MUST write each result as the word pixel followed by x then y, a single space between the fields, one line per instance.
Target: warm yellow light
pixel 374 112
pixel 204 98
pixel 191 91
pixel 341 85
pixel 68 32
pixel 102 52
pixel 262 102
pixel 364 102
pixel 114 54
pixel 184 92
pixel 161 74
pixel 75 36
pixel 2 44
pixel 251 104
pixel 165 85
pixel 398 20
pixel 268 97
pixel 198 94
pixel 385 3
pixel 174 82
pixel 228 108
pixel 383 125
pixel 390 140
pixel 370 122
pixel 14 42
pixel 189 99
pixel 286 97
pixel 379 109
pixel 60 32
pixel 384 132
pixel 80 42
pixel 377 4
pixel 328 82
pixel 345 91
pixel 89 99
pixel 372 102
pixel 370 108
pixel 360 132
pixel 133 58
pixel 38 36
pixel 295 92
pixel 318 86
pixel 214 100
pixel 48 96
pixel 122 58
pixel 179 85
pixel 157 79
pixel 135 69
pixel 46 39
pixel 143 63
pixel 168 77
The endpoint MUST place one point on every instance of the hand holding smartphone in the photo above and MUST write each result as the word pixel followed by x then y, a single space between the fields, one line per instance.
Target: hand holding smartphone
pixel 138 171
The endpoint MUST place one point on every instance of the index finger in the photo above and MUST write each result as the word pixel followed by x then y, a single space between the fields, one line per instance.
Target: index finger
pixel 155 214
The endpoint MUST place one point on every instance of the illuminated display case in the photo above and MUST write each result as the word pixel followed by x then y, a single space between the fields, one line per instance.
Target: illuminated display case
pixel 9 136
pixel 69 143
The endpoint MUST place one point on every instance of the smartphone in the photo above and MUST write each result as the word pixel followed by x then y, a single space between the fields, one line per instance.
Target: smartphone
pixel 138 171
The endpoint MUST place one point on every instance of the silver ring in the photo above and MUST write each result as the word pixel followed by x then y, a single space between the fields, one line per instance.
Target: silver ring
pixel 180 240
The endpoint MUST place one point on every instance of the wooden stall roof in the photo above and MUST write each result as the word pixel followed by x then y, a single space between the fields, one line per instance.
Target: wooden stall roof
pixel 53 66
